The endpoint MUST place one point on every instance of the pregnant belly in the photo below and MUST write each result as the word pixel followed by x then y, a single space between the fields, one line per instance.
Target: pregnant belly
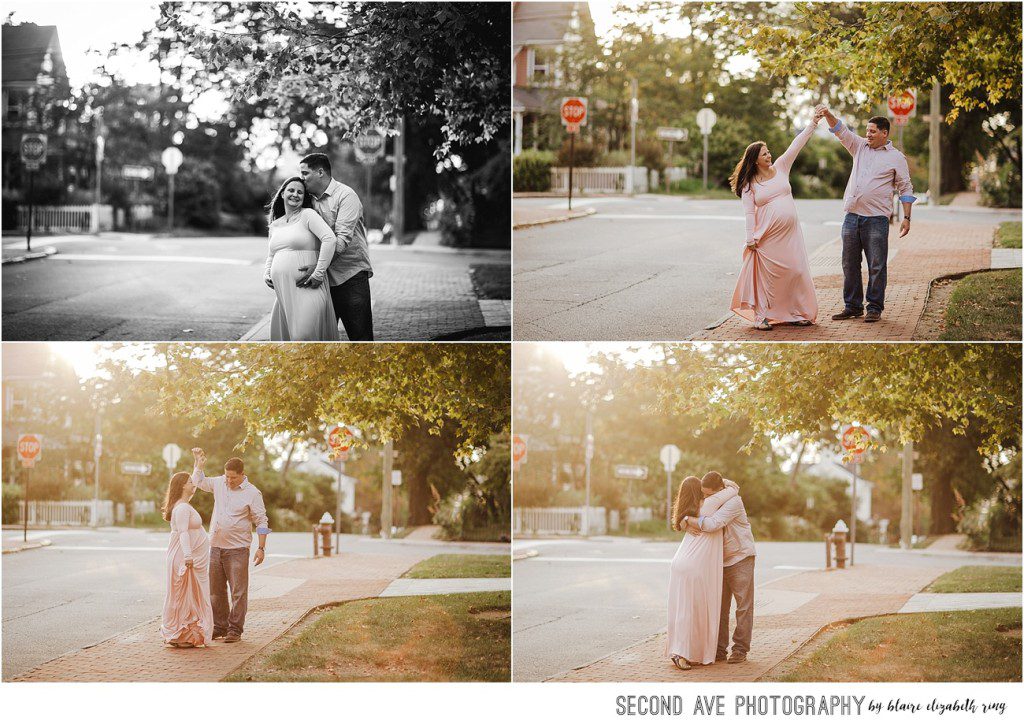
pixel 779 216
pixel 285 267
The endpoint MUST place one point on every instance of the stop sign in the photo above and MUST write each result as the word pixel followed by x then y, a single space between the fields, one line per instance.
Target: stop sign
pixel 855 439
pixel 339 440
pixel 574 111
pixel 33 150
pixel 519 448
pixel 30 449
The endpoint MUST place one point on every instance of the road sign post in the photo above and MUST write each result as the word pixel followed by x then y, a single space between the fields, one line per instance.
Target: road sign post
pixel 588 454
pixel 574 115
pixel 669 456
pixel 339 442
pixel 902 106
pixel 369 148
pixel 171 158
pixel 672 134
pixel 706 119
pixel 520 450
pixel 30 451
pixel 33 155
pixel 855 440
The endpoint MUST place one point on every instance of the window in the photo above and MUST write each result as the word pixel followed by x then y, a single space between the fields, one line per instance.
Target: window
pixel 539 66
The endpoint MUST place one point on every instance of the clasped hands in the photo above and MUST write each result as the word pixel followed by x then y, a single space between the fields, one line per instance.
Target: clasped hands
pixel 306 280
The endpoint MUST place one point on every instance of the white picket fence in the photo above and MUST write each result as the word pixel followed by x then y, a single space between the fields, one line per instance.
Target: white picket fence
pixel 565 521
pixel 600 180
pixel 65 513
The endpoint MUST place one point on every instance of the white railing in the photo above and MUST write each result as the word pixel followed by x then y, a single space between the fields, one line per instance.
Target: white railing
pixel 66 513
pixel 58 218
pixel 561 521
pixel 600 180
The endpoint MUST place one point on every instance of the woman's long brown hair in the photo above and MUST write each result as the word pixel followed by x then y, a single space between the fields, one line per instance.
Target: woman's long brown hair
pixel 688 501
pixel 174 490
pixel 746 169
pixel 275 208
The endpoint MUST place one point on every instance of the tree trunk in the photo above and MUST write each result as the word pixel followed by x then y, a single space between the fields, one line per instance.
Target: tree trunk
pixel 942 503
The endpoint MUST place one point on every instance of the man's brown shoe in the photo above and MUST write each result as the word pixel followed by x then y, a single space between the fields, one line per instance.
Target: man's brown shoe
pixel 736 657
pixel 872 316
pixel 232 637
pixel 848 314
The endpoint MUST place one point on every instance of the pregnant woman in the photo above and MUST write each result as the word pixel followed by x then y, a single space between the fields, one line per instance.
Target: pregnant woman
pixel 300 313
pixel 188 615
pixel 695 581
pixel 774 284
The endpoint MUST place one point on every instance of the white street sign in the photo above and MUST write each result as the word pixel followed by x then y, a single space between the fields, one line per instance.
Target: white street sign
pixel 171 454
pixel 706 120
pixel 142 173
pixel 136 468
pixel 669 456
pixel 171 158
pixel 626 471
pixel 917 481
pixel 670 133
pixel 396 478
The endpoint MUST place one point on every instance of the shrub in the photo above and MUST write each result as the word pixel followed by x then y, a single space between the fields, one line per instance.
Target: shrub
pixel 531 170
pixel 1002 187
pixel 584 154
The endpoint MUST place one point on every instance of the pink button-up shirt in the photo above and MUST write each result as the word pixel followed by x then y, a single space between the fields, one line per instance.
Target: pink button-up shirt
pixel 235 511
pixel 737 537
pixel 875 173
pixel 340 207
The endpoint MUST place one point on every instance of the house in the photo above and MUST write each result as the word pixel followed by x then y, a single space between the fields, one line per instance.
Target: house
pixel 540 32
pixel 35 88
pixel 830 465
pixel 317 463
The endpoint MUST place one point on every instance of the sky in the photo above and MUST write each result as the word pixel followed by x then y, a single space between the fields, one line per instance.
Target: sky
pixel 86 357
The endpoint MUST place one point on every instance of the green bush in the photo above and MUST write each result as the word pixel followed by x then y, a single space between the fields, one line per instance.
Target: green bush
pixel 531 170
pixel 993 524
pixel 11 504
pixel 1002 187
pixel 584 153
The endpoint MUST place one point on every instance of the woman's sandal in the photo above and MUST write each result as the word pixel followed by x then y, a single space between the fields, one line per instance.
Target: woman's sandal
pixel 802 323
pixel 681 663
pixel 763 325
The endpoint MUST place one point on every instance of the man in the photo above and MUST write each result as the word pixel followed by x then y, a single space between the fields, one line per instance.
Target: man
pixel 738 555
pixel 350 271
pixel 878 167
pixel 237 507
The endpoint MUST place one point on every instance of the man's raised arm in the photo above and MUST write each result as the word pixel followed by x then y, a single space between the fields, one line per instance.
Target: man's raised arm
pixel 727 512
pixel 198 477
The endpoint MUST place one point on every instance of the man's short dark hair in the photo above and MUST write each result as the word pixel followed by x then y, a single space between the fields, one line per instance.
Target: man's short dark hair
pixel 317 161
pixel 712 480
pixel 234 465
pixel 881 122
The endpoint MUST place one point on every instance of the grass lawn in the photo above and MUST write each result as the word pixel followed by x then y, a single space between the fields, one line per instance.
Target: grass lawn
pixel 492 281
pixel 978 579
pixel 462 566
pixel 981 645
pixel 1008 236
pixel 443 638
pixel 985 306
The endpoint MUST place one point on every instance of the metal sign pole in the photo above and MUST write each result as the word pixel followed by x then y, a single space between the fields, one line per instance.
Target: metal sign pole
pixel 587 454
pixel 572 153
pixel 853 516
pixel 337 517
pixel 24 535
pixel 170 202
pixel 668 496
pixel 31 211
pixel 705 165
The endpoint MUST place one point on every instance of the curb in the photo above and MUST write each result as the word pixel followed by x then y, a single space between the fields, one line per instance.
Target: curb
pixel 528 554
pixel 29 256
pixel 553 220
pixel 28 547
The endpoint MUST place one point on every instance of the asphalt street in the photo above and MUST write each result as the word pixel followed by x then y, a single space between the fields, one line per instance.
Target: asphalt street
pixel 651 267
pixel 89 585
pixel 579 600
pixel 138 287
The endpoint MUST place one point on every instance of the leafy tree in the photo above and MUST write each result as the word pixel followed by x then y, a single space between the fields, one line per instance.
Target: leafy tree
pixel 360 65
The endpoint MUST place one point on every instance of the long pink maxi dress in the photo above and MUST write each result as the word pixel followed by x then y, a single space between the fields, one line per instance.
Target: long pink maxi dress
pixel 695 590
pixel 775 281
pixel 188 614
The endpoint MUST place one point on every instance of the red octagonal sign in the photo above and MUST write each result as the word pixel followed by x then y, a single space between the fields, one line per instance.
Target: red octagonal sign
pixel 574 111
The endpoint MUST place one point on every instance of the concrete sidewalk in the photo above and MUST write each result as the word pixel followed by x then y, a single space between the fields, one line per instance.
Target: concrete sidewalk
pixel 525 217
pixel 929 251
pixel 424 587
pixel 787 613
pixel 278 599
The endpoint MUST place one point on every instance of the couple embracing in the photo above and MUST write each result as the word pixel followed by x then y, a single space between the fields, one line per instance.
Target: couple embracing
pixel 318 264
pixel 775 285
pixel 208 575
pixel 713 565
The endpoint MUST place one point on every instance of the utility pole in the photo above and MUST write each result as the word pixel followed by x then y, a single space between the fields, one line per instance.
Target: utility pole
pixel 398 208
pixel 907 499
pixel 385 491
pixel 634 113
pixel 934 145
pixel 97 453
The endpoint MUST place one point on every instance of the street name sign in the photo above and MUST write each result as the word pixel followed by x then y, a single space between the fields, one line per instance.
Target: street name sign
pixel 33 150
pixel 141 173
pixel 670 133
pixel 136 468
pixel 627 471
pixel 916 481
pixel 669 456
pixel 30 449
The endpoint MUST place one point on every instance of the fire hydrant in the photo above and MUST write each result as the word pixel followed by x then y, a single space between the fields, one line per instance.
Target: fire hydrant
pixel 324 529
pixel 839 532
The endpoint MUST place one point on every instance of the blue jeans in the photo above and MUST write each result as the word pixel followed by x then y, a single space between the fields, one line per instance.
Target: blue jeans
pixel 229 569
pixel 867 235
